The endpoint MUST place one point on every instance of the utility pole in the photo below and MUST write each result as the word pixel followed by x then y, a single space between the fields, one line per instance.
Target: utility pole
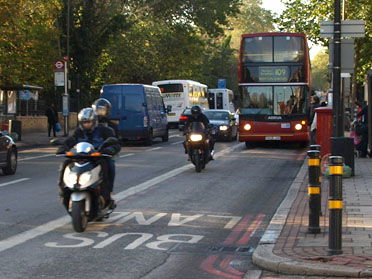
pixel 338 127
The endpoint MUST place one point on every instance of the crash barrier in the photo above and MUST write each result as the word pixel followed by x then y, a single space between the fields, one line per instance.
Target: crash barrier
pixel 335 205
pixel 314 189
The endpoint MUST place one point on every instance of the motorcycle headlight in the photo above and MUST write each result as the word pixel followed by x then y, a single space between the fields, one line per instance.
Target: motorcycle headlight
pixel 69 178
pixel 196 137
pixel 84 179
pixel 223 128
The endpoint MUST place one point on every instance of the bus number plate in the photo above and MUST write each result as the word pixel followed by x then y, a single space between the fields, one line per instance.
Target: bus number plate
pixel 285 125
pixel 272 138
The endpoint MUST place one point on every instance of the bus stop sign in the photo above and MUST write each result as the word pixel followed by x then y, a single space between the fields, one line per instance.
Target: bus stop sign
pixel 221 83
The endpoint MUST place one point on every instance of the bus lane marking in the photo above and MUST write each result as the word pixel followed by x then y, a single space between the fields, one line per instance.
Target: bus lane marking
pixel 153 149
pixel 36 157
pixel 45 228
pixel 126 155
pixel 177 142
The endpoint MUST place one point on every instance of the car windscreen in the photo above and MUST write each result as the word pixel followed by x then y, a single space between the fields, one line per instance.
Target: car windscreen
pixel 217 115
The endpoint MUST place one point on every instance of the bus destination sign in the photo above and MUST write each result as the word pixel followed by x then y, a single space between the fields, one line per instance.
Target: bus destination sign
pixel 274 74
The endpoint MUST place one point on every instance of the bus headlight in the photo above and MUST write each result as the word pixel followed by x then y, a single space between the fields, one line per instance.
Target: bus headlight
pixel 223 128
pixel 196 137
pixel 247 127
pixel 298 127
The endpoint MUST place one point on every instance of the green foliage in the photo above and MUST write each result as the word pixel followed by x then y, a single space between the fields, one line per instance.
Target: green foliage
pixel 304 16
pixel 28 42
pixel 319 66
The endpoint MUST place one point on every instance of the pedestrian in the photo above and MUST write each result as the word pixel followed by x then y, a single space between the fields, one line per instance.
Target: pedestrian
pixel 362 130
pixel 52 115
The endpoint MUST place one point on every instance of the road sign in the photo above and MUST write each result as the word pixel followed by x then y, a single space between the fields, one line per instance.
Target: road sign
pixel 349 29
pixel 59 66
pixel 221 83
pixel 347 54
pixel 59 78
pixel 25 95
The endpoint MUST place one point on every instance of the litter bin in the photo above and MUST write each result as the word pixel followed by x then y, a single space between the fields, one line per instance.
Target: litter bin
pixel 343 146
pixel 324 129
pixel 15 126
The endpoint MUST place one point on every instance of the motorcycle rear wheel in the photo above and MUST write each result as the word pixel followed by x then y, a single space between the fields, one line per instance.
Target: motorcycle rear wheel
pixel 79 218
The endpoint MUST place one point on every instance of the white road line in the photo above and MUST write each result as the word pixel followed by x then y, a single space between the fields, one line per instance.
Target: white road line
pixel 152 149
pixel 36 157
pixel 14 181
pixel 175 136
pixel 177 142
pixel 126 155
pixel 20 238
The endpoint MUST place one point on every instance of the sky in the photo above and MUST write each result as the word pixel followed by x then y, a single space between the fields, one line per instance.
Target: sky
pixel 277 7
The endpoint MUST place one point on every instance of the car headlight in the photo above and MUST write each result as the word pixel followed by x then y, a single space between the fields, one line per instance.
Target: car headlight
pixel 298 127
pixel 84 179
pixel 223 128
pixel 69 178
pixel 196 137
pixel 247 127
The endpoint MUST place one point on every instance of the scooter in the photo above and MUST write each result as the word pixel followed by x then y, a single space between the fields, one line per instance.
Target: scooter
pixel 83 192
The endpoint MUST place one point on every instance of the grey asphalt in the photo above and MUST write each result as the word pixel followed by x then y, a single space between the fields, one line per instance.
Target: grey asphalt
pixel 182 224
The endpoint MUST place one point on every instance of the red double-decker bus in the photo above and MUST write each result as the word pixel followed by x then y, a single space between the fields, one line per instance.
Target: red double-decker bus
pixel 274 88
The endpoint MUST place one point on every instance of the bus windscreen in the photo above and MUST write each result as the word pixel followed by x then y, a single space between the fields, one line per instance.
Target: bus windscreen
pixel 274 100
pixel 171 88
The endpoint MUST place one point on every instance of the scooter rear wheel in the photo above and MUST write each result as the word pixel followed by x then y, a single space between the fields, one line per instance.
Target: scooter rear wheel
pixel 79 218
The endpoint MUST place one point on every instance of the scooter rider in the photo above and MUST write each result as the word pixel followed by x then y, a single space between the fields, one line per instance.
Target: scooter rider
pixel 90 131
pixel 102 108
pixel 198 116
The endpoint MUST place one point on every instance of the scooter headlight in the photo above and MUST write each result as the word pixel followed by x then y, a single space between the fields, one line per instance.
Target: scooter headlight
pixel 69 178
pixel 223 128
pixel 84 179
pixel 196 137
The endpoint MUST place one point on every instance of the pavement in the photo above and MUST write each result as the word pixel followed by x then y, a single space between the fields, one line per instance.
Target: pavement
pixel 288 248
pixel 38 139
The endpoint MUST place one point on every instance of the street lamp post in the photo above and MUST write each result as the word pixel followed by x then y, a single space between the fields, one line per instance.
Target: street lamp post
pixel 338 130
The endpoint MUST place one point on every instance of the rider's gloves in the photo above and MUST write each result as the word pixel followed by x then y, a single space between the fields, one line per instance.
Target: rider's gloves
pixel 108 150
pixel 61 150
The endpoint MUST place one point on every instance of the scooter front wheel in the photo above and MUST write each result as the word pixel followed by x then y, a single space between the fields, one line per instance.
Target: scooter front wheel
pixel 79 218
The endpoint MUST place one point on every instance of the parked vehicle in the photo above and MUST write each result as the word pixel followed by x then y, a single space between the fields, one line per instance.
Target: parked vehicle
pixel 197 145
pixel 224 122
pixel 182 94
pixel 83 193
pixel 8 155
pixel 138 110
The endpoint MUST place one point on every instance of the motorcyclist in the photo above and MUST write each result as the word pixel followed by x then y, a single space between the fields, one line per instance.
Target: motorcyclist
pixel 90 131
pixel 198 116
pixel 102 108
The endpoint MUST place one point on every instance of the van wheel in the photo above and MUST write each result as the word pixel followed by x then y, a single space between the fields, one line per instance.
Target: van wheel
pixel 165 138
pixel 149 139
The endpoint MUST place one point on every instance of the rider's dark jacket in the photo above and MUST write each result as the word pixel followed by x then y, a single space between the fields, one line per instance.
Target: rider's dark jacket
pixel 200 118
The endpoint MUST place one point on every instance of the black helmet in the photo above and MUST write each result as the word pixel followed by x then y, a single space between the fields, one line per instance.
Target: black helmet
pixel 195 111
pixel 102 107
pixel 87 115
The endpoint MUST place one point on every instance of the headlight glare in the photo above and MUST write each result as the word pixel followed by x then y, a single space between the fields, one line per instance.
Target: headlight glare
pixel 247 127
pixel 196 137
pixel 223 128
pixel 85 178
pixel 298 127
pixel 70 178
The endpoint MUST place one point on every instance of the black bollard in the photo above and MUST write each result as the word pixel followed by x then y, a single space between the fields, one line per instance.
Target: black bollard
pixel 335 205
pixel 314 191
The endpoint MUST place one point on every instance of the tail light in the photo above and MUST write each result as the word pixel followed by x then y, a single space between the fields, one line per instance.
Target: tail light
pixel 182 117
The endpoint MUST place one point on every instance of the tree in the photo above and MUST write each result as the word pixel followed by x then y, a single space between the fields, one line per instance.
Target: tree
pixel 304 16
pixel 319 69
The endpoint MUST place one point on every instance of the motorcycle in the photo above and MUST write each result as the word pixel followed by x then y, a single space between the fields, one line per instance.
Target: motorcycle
pixel 83 192
pixel 197 145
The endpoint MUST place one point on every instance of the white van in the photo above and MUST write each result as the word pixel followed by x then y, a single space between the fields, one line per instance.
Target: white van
pixel 221 98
